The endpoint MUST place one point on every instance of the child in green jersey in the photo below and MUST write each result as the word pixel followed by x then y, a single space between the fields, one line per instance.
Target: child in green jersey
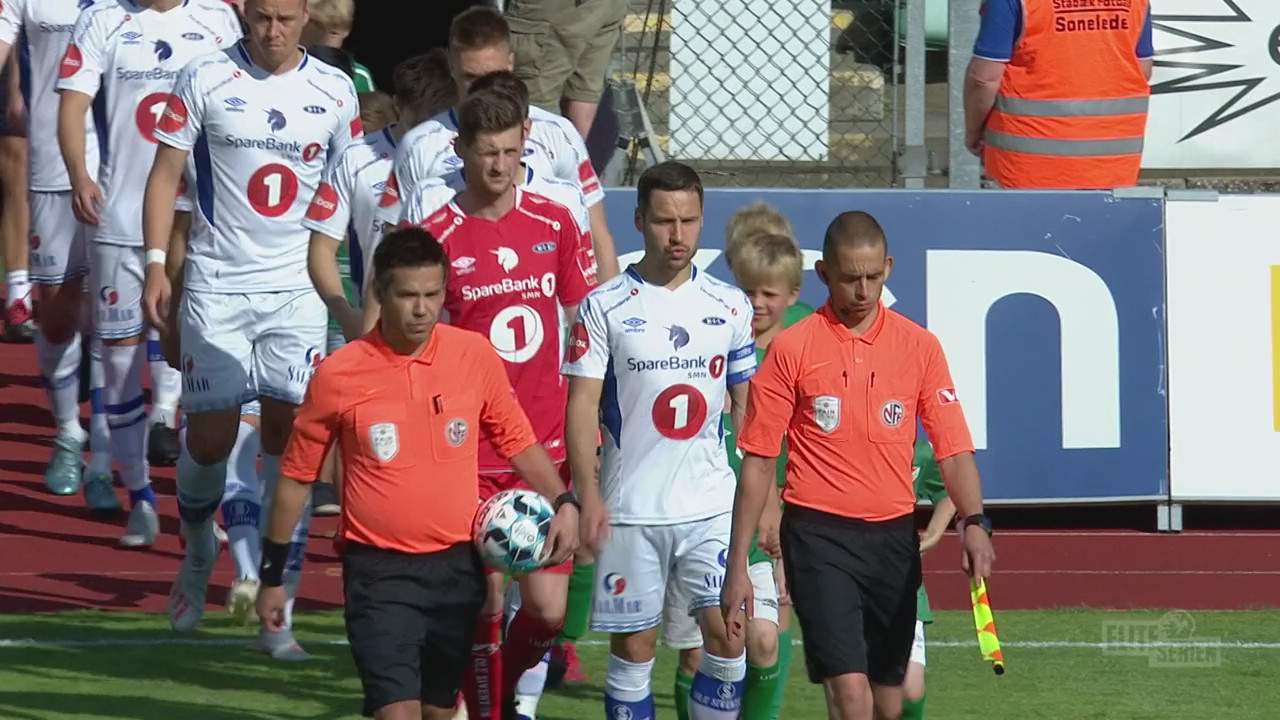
pixel 769 269
pixel 928 487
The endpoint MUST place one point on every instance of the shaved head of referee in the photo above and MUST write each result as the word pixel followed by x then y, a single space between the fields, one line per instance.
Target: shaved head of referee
pixel 845 388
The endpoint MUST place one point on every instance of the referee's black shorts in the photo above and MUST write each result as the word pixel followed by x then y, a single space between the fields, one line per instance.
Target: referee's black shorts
pixel 853 585
pixel 410 621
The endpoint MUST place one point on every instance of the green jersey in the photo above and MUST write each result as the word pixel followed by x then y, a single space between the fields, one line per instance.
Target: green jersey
pixel 363 78
pixel 348 285
pixel 928 487
pixel 794 314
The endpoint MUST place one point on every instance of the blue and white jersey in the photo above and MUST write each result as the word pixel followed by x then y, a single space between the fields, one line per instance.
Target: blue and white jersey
pixel 349 204
pixel 667 358
pixel 260 143
pixel 129 56
pixel 554 147
pixel 46 26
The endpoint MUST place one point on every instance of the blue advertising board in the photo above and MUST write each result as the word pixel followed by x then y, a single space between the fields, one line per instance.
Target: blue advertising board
pixel 1050 307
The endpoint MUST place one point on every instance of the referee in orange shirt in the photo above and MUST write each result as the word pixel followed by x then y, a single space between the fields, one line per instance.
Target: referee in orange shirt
pixel 845 386
pixel 407 425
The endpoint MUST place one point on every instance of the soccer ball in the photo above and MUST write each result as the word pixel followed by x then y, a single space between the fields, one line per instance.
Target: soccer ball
pixel 510 531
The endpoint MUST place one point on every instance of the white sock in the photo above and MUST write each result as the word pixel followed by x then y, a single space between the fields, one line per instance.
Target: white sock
pixel 242 503
pixel 60 373
pixel 627 689
pixel 166 384
pixel 200 491
pixel 19 286
pixel 99 431
pixel 297 557
pixel 122 399
pixel 716 678
pixel 530 685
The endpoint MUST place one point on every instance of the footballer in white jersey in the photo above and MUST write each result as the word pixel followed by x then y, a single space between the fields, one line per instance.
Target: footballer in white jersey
pixel 260 143
pixel 352 206
pixel 129 56
pixel 58 241
pixel 260 120
pixel 667 358
pixel 656 350
pixel 57 260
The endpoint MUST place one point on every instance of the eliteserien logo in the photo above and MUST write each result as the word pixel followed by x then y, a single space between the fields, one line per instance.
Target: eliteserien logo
pixel 1169 641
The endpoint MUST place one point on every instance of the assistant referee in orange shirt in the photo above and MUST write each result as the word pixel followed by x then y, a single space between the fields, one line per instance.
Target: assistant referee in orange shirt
pixel 406 403
pixel 845 386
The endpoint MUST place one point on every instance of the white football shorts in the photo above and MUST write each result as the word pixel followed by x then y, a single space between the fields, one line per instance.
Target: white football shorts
pixel 57 242
pixel 236 347
pixel 116 280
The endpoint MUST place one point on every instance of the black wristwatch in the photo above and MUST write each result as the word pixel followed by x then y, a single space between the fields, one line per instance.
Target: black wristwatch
pixel 567 498
pixel 976 519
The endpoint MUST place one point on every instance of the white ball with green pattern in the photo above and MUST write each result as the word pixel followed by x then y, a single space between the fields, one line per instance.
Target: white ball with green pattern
pixel 510 531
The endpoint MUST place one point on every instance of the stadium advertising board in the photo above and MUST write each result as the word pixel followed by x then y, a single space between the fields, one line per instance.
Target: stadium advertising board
pixel 1049 306
pixel 1224 348
pixel 1215 84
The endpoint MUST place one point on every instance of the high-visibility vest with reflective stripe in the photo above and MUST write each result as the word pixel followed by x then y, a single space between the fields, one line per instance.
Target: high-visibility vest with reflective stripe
pixel 1072 107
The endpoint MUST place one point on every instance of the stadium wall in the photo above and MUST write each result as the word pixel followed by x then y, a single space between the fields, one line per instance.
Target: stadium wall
pixel 1051 307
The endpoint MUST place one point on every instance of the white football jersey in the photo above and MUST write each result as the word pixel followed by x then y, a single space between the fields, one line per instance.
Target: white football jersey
pixel 348 204
pixel 554 148
pixel 667 358
pixel 260 143
pixel 48 25
pixel 130 57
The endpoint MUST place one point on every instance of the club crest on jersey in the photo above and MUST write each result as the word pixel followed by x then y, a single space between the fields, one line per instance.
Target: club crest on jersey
pixel 193 37
pixel 384 440
pixel 162 49
pixel 891 413
pixel 679 337
pixel 456 432
pixel 826 412
pixel 276 120
pixel 315 110
pixel 544 247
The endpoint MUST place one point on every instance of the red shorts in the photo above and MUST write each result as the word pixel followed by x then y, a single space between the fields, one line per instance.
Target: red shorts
pixel 493 483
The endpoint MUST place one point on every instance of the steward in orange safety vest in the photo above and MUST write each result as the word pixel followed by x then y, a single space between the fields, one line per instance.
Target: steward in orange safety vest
pixel 1067 109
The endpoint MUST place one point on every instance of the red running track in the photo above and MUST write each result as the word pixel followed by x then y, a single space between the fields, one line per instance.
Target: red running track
pixel 53 556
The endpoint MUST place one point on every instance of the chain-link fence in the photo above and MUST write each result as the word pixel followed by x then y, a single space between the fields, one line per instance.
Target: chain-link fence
pixel 761 93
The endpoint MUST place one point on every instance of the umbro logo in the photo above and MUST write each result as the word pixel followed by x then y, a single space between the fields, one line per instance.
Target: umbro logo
pixel 235 104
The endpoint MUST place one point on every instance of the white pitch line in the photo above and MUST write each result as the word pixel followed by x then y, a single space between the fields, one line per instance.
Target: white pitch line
pixel 32 643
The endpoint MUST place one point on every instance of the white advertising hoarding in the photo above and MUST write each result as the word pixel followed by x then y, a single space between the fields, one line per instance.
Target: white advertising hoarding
pixel 1215 85
pixel 1223 285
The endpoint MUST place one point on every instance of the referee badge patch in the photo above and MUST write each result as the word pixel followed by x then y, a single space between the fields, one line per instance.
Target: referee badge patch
pixel 826 412
pixel 384 438
pixel 892 413
pixel 456 432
